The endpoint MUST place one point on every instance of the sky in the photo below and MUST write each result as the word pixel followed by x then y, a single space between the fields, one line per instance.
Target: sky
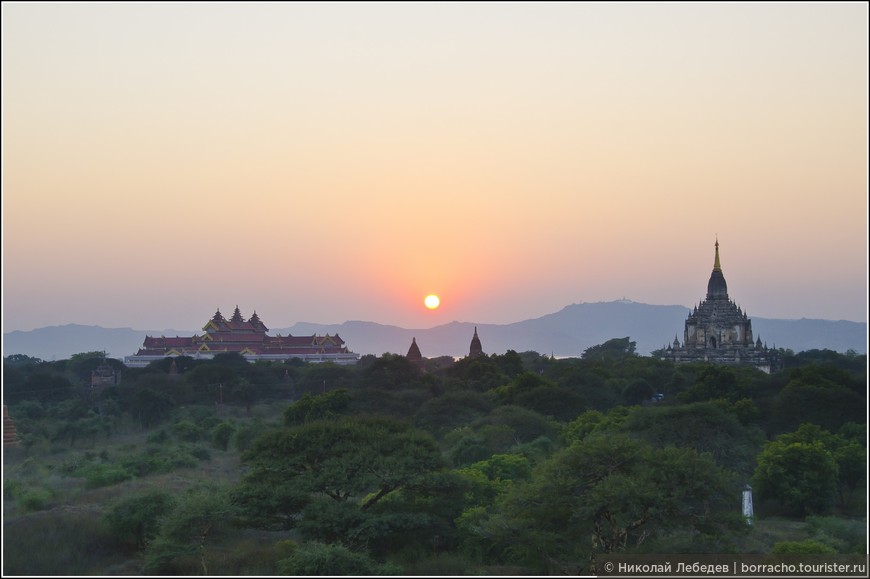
pixel 325 162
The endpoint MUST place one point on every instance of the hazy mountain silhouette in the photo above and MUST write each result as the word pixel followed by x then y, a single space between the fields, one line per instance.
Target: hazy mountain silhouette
pixel 61 342
pixel 567 332
pixel 571 330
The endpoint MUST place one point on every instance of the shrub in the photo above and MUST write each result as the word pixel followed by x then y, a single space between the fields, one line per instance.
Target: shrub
pixel 319 559
pixel 805 547
pixel 11 488
pixel 187 431
pixel 200 453
pixel 136 517
pixel 845 535
pixel 102 475
pixel 159 437
pixel 247 432
pixel 35 499
pixel 221 435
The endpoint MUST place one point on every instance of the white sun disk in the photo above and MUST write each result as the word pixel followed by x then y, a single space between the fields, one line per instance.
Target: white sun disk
pixel 432 301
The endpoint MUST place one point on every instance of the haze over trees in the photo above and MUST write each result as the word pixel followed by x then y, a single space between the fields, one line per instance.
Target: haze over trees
pixel 502 464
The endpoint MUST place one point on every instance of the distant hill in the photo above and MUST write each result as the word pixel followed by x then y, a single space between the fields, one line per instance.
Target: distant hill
pixel 567 332
pixel 571 330
pixel 61 342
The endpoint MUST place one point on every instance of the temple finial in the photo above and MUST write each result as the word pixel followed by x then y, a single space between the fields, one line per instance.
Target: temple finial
pixel 716 266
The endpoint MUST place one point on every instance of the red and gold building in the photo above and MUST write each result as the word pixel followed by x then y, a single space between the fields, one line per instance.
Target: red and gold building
pixel 249 338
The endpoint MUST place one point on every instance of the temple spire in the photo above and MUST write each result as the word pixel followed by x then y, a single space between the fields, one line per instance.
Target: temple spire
pixel 414 355
pixel 476 348
pixel 716 266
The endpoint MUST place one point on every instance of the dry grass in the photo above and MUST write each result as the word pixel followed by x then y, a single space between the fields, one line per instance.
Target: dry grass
pixel 68 536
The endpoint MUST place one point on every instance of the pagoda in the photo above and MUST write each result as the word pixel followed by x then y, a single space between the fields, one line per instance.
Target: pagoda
pixel 475 349
pixel 414 356
pixel 719 331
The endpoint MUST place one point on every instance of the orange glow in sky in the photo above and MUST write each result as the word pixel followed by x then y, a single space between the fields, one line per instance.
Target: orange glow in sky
pixel 325 162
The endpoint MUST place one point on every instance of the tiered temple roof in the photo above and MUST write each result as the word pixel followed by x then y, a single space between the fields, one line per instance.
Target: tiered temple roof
pixel 248 338
pixel 719 331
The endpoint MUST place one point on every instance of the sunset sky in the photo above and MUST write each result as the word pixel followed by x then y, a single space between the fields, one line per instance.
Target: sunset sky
pixel 328 162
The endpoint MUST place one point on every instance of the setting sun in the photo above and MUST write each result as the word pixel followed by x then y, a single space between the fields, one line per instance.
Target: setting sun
pixel 432 301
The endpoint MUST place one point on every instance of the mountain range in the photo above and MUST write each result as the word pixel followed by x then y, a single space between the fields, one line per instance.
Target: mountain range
pixel 565 333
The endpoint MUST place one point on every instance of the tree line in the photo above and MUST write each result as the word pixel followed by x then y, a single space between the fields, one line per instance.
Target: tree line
pixel 508 463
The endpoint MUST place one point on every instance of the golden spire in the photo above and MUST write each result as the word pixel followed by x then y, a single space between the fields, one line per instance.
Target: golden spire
pixel 716 266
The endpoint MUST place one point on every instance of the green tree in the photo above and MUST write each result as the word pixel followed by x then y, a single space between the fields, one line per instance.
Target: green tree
pixel 245 394
pixel 151 407
pixel 454 409
pixel 390 372
pixel 42 385
pixel 848 452
pixel 614 349
pixel 221 434
pixel 21 359
pixel 361 459
pixel 801 475
pixel 820 400
pixel 492 477
pixel 480 373
pixel 709 426
pixel 637 392
pixel 136 517
pixel 718 382
pixel 608 494
pixel 510 363
pixel 310 408
pixel 80 366
pixel 321 378
pixel 185 529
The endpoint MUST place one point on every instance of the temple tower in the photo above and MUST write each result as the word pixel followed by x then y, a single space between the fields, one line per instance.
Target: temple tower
pixel 719 331
pixel 476 349
pixel 10 434
pixel 414 356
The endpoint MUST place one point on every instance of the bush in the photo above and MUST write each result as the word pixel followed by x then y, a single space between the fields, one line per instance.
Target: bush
pixel 102 475
pixel 319 559
pixel 159 437
pixel 845 535
pixel 35 499
pixel 246 433
pixel 201 453
pixel 221 435
pixel 187 431
pixel 805 547
pixel 11 488
pixel 164 459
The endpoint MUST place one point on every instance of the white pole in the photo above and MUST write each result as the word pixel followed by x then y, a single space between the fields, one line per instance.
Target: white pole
pixel 747 504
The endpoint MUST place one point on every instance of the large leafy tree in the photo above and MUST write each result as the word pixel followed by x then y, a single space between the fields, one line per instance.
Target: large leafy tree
pixel 846 448
pixel 607 494
pixel 185 529
pixel 136 517
pixel 820 398
pixel 615 349
pixel 310 408
pixel 801 475
pixel 711 426
pixel 353 461
pixel 390 372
